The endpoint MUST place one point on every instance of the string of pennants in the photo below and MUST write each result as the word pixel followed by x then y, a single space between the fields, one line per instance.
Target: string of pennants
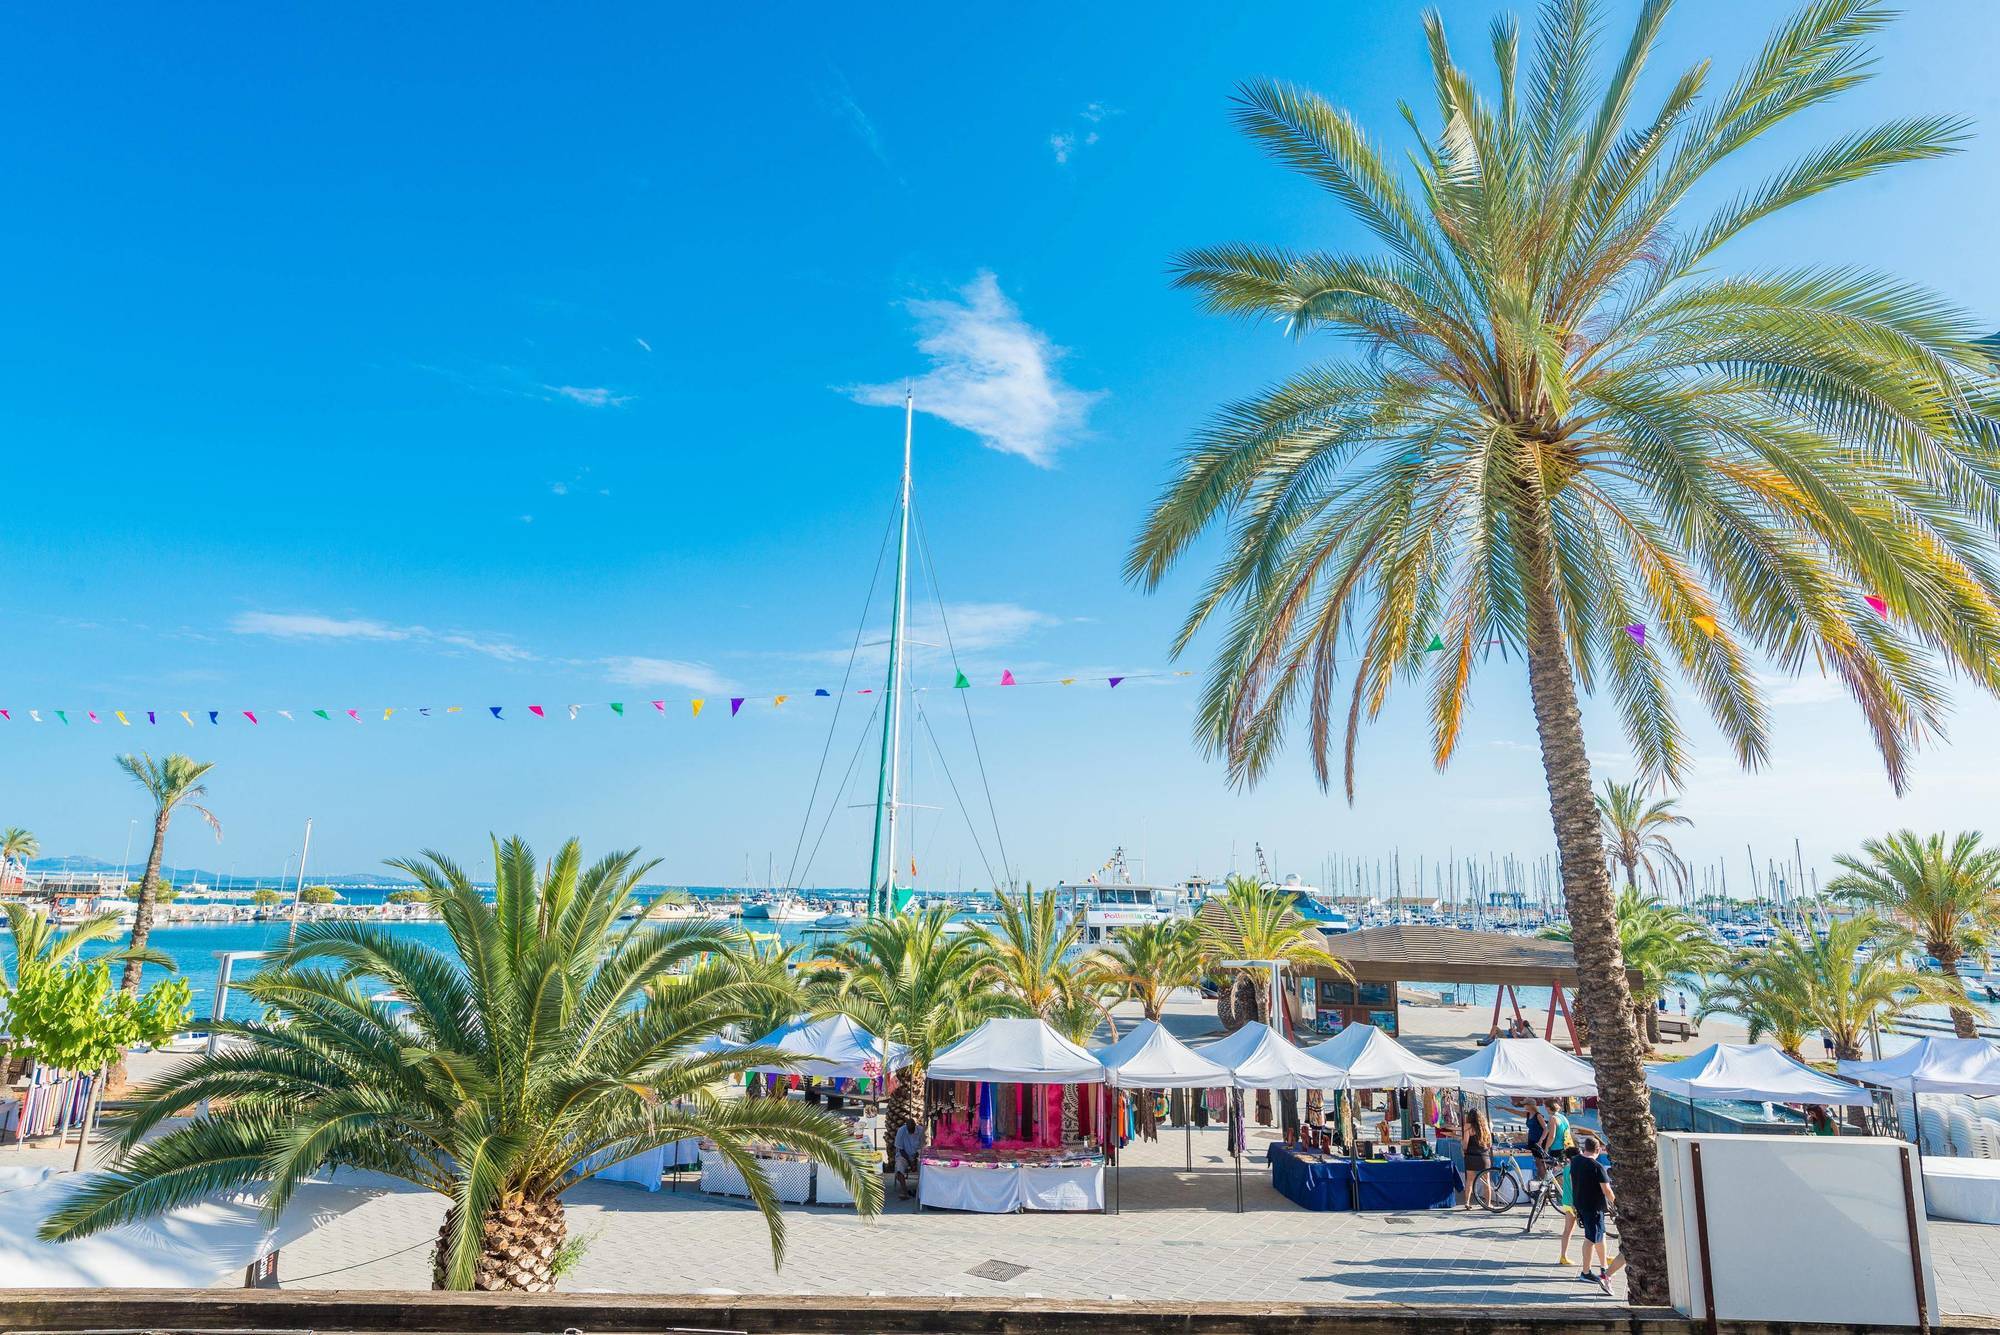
pixel 1706 624
pixel 695 705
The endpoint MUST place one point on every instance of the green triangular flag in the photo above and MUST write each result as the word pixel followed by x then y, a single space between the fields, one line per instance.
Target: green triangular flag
pixel 322 713
pixel 617 708
pixel 961 683
pixel 1437 643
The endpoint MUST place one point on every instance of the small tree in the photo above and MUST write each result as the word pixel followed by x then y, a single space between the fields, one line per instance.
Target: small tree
pixel 317 894
pixel 69 1017
pixel 263 896
pixel 406 896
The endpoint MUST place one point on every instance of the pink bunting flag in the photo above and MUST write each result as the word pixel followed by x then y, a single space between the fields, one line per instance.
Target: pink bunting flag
pixel 735 703
pixel 5 715
pixel 354 714
pixel 1006 676
pixel 1114 682
pixel 1637 632
pixel 660 705
pixel 536 710
pixel 252 717
pixel 1881 605
pixel 93 716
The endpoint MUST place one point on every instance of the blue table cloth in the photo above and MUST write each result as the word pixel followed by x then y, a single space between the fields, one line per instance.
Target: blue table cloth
pixel 1368 1184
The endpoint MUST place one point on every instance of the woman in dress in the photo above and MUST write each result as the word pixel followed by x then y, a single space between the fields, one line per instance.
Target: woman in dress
pixel 1478 1158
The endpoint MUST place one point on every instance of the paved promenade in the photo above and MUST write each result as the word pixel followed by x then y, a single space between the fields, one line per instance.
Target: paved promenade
pixel 1177 1237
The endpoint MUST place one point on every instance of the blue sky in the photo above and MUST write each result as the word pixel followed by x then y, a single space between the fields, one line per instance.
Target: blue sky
pixel 369 357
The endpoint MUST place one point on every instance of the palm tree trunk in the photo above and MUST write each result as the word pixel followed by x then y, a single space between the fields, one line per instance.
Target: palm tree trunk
pixel 1963 1022
pixel 906 1100
pixel 149 890
pixel 520 1240
pixel 1602 991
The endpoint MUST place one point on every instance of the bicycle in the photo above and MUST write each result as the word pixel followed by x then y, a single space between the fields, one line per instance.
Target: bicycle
pixel 1507 1187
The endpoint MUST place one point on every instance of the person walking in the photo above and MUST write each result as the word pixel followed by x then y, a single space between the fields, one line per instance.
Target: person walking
pixel 1590 1188
pixel 1478 1158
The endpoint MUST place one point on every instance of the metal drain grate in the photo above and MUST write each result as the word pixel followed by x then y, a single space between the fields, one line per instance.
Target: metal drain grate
pixel 998 1271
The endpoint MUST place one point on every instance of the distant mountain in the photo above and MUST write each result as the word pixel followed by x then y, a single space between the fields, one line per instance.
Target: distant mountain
pixel 182 875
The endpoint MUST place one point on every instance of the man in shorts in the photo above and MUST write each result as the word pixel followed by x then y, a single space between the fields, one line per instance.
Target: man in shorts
pixel 1590 1190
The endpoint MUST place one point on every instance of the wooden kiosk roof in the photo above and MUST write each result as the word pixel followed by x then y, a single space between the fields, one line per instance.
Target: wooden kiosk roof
pixel 1419 953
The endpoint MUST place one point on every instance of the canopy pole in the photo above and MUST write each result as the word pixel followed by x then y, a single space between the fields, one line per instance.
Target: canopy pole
pixel 1116 1181
pixel 1236 1137
pixel 1187 1126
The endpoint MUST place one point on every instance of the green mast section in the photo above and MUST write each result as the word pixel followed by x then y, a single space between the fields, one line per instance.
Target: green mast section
pixel 883 897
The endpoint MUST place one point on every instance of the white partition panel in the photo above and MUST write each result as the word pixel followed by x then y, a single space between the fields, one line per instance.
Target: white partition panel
pixel 1799 1228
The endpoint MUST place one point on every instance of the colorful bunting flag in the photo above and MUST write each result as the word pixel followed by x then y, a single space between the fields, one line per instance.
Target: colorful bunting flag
pixel 823 691
pixel 215 717
pixel 123 722
pixel 660 705
pixel 1006 676
pixel 354 714
pixel 93 716
pixel 323 714
pixel 961 684
pixel 1437 643
pixel 5 715
pixel 1705 624
pixel 252 717
pixel 778 700
pixel 454 709
pixel 1881 605
pixel 536 710
pixel 150 718
pixel 573 712
pixel 386 713
pixel 1114 682
pixel 495 709
pixel 1637 632
pixel 63 716
pixel 735 703
pixel 1068 681
pixel 285 714
pixel 35 714
pixel 618 709
pixel 187 718
pixel 697 704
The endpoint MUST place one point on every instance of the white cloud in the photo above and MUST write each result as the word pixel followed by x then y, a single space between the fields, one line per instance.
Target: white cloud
pixel 992 374
pixel 632 670
pixel 975 628
pixel 1063 144
pixel 559 488
pixel 311 626
pixel 643 344
pixel 306 626
pixel 592 396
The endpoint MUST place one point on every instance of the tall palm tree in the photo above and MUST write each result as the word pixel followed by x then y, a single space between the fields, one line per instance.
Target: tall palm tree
pixel 1032 951
pixel 1148 963
pixel 1948 896
pixel 1661 944
pixel 908 980
pixel 172 781
pixel 1842 982
pixel 515 1066
pixel 1635 833
pixel 16 846
pixel 1565 436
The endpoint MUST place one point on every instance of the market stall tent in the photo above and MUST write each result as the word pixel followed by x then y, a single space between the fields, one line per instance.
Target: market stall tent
pixel 1259 1057
pixel 1935 1066
pixel 1530 1068
pixel 1373 1060
pixel 1016 1052
pixel 832 1047
pixel 1148 1057
pixel 1751 1071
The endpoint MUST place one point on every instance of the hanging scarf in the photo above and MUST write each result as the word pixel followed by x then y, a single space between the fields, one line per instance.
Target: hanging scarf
pixel 985 1115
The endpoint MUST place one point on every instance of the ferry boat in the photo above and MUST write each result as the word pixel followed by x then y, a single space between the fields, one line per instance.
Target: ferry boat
pixel 1109 901
pixel 1312 904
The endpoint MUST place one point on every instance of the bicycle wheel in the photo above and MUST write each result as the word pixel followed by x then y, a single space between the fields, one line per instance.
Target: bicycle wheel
pixel 1540 1203
pixel 1506 1191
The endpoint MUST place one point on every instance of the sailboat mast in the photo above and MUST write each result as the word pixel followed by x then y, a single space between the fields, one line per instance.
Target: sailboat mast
pixel 887 783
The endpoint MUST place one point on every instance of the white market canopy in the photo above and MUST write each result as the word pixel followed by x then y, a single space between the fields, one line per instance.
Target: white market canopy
pixel 1935 1066
pixel 831 1047
pixel 1148 1057
pixel 1755 1072
pixel 1025 1052
pixel 1259 1057
pixel 194 1247
pixel 1525 1068
pixel 1373 1060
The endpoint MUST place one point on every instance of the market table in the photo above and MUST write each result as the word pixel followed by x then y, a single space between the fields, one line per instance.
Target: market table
pixel 1332 1182
pixel 1003 1187
pixel 1967 1189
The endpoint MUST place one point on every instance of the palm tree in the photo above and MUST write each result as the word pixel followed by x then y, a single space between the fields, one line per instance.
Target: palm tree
pixel 516 1065
pixel 1031 950
pixel 17 846
pixel 1947 896
pixel 909 981
pixel 171 781
pixel 1150 962
pixel 1661 944
pixel 1563 435
pixel 1634 833
pixel 1252 921
pixel 1842 982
